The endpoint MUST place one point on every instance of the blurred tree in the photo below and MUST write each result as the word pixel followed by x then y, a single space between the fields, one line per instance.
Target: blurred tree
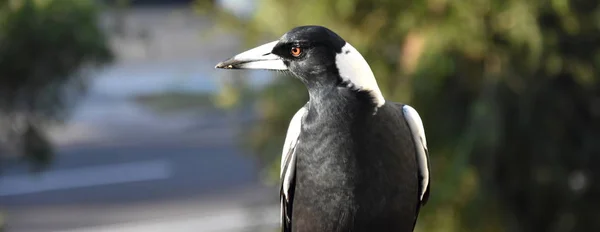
pixel 508 91
pixel 46 48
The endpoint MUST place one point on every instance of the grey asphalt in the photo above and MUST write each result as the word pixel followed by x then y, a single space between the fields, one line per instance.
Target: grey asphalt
pixel 203 181
pixel 193 171
pixel 123 168
pixel 246 209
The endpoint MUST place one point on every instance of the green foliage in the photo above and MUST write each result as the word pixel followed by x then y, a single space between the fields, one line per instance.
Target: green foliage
pixel 508 92
pixel 45 48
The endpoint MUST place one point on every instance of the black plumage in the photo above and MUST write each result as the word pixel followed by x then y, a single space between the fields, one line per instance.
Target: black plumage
pixel 352 161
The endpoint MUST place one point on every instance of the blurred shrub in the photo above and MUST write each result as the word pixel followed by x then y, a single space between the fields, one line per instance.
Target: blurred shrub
pixel 46 47
pixel 508 91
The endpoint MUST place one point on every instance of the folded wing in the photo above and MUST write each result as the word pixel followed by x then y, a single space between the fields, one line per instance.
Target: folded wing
pixel 418 132
pixel 288 170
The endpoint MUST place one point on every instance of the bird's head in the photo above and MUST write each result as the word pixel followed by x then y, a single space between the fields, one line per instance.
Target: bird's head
pixel 317 56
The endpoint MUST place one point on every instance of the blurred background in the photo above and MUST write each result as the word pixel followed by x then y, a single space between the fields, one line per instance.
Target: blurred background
pixel 112 117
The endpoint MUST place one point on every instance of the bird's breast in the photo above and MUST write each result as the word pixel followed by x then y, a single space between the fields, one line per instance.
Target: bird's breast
pixel 351 168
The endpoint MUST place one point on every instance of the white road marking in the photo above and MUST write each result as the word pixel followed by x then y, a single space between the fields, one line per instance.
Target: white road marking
pixel 224 220
pixel 84 177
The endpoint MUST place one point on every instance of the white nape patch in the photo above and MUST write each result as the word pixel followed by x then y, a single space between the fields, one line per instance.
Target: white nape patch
pixel 355 70
pixel 261 58
pixel 418 133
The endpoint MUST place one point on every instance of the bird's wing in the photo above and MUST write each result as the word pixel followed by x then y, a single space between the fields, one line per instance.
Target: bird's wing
pixel 288 169
pixel 418 132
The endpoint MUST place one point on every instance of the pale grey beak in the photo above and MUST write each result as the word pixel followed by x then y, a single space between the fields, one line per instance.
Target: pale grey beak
pixel 257 58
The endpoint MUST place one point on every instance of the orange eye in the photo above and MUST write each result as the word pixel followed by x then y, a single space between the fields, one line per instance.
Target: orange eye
pixel 296 51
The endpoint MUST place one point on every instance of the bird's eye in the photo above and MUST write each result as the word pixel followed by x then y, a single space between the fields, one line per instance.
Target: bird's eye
pixel 296 51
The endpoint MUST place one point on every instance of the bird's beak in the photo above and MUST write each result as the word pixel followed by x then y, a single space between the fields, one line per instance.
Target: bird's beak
pixel 257 58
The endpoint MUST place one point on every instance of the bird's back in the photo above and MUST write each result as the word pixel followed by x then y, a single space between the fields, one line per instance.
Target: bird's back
pixel 355 171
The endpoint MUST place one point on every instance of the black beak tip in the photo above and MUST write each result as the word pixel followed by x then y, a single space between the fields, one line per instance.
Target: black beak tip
pixel 221 65
pixel 228 64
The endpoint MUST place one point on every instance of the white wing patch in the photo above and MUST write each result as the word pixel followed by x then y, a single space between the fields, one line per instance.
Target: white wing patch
pixel 291 137
pixel 418 132
pixel 288 159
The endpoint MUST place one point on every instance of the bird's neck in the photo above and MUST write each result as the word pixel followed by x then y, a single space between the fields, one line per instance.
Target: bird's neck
pixel 340 101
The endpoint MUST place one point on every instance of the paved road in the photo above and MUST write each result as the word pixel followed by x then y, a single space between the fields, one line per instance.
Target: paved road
pixel 245 209
pixel 133 187
pixel 122 174
pixel 123 168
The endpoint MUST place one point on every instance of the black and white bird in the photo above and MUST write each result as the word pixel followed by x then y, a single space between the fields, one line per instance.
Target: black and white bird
pixel 351 161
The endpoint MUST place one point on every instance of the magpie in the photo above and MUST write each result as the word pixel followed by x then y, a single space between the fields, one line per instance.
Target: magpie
pixel 351 160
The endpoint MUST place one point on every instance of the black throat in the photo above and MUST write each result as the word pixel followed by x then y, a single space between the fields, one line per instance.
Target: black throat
pixel 330 95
